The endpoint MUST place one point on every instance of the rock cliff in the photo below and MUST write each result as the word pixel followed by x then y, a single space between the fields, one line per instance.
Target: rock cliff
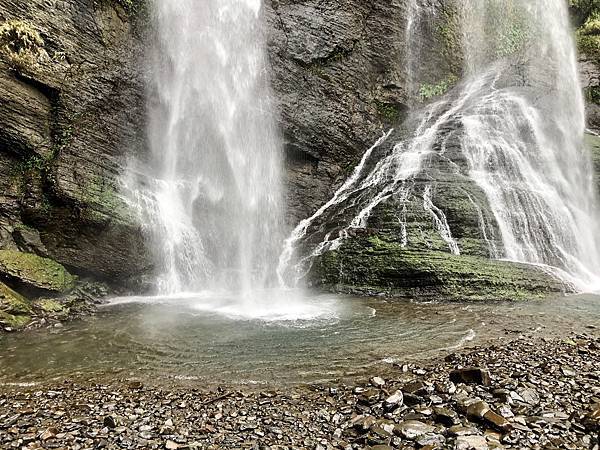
pixel 73 112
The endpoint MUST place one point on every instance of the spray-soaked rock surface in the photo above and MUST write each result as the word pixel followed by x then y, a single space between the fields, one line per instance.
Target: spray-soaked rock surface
pixel 529 393
pixel 73 77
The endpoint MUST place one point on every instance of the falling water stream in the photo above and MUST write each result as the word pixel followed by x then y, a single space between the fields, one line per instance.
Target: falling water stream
pixel 211 188
pixel 210 192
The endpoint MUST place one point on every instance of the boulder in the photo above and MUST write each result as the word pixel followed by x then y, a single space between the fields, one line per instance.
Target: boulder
pixel 35 272
pixel 413 429
pixel 592 419
pixel 471 443
pixel 15 310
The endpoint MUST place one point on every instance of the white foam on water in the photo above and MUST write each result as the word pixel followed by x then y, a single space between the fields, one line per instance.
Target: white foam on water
pixel 268 305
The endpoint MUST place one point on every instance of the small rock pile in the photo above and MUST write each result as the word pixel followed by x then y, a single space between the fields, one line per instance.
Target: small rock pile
pixel 530 393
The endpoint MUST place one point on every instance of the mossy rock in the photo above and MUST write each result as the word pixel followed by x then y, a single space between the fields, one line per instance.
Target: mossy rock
pixel 370 265
pixel 50 306
pixel 35 271
pixel 15 310
pixel 593 144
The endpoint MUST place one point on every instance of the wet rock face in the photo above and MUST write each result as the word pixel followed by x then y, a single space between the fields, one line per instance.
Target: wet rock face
pixel 590 80
pixel 35 272
pixel 73 109
pixel 338 76
pixel 369 265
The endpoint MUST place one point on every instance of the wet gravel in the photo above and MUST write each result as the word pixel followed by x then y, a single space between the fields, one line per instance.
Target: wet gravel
pixel 530 393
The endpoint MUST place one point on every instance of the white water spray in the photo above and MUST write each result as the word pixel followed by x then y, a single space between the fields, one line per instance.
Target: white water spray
pixel 523 136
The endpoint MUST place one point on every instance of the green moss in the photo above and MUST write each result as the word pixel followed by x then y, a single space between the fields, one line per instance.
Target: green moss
pixel 449 34
pixel 50 307
pixel 102 201
pixel 42 273
pixel 11 302
pixel 429 91
pixel 14 322
pixel 372 265
pixel 15 310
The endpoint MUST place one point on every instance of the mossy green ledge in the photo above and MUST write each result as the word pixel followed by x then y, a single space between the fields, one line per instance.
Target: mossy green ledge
pixel 35 271
pixel 593 144
pixel 15 310
pixel 371 266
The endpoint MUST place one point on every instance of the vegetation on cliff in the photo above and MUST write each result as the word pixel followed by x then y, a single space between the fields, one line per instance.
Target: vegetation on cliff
pixel 586 15
pixel 21 44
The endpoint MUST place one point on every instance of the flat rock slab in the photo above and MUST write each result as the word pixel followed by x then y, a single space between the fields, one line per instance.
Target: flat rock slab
pixel 35 271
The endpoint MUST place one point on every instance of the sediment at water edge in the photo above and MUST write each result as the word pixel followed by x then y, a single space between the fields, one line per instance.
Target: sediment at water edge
pixel 526 391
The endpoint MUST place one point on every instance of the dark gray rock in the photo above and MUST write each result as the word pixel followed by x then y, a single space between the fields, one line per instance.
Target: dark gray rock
pixel 471 375
pixel 68 122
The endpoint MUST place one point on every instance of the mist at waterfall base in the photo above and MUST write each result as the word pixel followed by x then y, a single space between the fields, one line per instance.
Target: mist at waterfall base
pixel 518 118
pixel 209 194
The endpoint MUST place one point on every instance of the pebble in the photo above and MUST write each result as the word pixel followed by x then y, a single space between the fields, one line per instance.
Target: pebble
pixel 412 429
pixel 527 393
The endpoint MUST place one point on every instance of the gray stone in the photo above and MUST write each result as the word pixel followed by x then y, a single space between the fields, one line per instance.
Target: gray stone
pixel 378 382
pixel 431 440
pixel 471 375
pixel 445 416
pixel 471 443
pixel 393 401
pixel 412 429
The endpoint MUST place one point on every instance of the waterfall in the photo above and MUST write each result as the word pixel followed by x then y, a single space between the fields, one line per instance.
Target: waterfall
pixel 518 118
pixel 523 135
pixel 209 193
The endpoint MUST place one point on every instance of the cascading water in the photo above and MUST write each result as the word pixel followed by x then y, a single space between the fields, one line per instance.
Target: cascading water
pixel 209 193
pixel 518 117
pixel 525 150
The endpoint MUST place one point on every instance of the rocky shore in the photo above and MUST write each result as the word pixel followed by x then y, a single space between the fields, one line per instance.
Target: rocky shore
pixel 529 393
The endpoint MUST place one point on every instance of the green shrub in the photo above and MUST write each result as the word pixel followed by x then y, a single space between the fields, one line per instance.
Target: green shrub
pixel 593 94
pixel 389 112
pixel 429 91
pixel 21 44
pixel 582 10
pixel 588 37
